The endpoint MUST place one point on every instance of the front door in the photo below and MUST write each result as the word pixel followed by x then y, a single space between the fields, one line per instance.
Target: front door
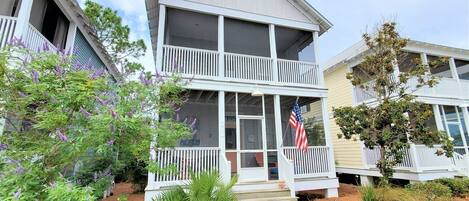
pixel 251 148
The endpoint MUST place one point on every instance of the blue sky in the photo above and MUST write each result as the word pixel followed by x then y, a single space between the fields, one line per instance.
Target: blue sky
pixel 444 22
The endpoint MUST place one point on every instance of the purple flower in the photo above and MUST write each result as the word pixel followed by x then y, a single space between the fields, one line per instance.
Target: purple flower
pixel 97 73
pixel 84 112
pixel 114 114
pixel 110 142
pixel 35 76
pixel 3 147
pixel 22 95
pixel 101 101
pixel 59 71
pixel 144 80
pixel 61 135
pixel 17 194
pixel 19 169
pixel 17 42
pixel 45 47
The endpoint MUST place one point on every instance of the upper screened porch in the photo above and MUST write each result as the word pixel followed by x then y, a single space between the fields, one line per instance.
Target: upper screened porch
pixel 451 69
pixel 223 49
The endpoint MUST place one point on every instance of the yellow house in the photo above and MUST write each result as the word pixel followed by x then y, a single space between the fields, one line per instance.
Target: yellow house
pixel 449 100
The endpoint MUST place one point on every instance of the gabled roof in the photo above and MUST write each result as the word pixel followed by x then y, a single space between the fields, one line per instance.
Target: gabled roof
pixel 359 49
pixel 312 13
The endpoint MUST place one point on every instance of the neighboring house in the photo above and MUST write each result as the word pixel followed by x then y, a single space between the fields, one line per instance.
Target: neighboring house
pixel 449 100
pixel 251 61
pixel 59 23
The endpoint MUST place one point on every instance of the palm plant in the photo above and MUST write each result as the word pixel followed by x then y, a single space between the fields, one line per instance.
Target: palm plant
pixel 206 186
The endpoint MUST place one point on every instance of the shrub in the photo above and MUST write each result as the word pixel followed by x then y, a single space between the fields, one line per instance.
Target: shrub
pixel 432 190
pixel 367 193
pixel 67 192
pixel 458 187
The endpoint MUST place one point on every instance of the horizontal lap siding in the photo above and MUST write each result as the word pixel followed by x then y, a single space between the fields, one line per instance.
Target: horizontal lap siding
pixel 347 153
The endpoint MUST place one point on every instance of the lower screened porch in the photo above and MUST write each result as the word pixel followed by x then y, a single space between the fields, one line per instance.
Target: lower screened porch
pixel 247 135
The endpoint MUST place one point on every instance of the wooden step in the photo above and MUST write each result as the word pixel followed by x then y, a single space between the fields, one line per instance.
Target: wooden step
pixel 273 199
pixel 262 194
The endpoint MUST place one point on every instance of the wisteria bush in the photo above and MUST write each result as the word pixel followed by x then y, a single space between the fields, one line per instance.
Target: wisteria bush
pixel 59 114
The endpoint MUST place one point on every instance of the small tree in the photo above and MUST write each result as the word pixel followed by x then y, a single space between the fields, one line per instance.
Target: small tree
pixel 115 37
pixel 396 118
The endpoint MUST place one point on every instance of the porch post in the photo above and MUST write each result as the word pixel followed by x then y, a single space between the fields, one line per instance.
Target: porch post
pixel 221 46
pixel 466 123
pixel 327 136
pixel 315 57
pixel 221 121
pixel 278 124
pixel 72 32
pixel 160 38
pixel 452 67
pixel 273 51
pixel 438 119
pixel 22 21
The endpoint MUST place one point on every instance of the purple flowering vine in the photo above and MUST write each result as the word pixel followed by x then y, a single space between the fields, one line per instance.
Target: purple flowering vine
pixel 101 101
pixel 144 79
pixel 3 147
pixel 85 112
pixel 15 41
pixel 111 142
pixel 59 71
pixel 114 114
pixel 35 76
pixel 97 73
pixel 17 194
pixel 61 135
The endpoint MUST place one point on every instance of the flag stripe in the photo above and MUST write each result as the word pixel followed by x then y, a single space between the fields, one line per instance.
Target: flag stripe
pixel 296 122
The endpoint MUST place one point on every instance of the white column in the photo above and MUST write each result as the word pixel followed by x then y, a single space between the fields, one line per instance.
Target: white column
pixel 22 21
pixel 366 180
pixel 160 38
pixel 221 46
pixel 466 123
pixel 327 136
pixel 221 121
pixel 273 51
pixel 315 57
pixel 452 67
pixel 278 123
pixel 72 32
pixel 438 119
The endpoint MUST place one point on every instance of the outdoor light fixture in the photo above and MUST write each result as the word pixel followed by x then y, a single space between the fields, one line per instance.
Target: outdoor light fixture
pixel 257 93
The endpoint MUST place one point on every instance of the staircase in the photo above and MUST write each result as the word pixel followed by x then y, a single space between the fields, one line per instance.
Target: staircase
pixel 262 191
pixel 461 163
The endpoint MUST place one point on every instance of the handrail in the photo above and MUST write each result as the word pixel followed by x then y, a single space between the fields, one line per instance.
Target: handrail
pixel 286 173
pixel 225 168
pixel 247 55
pixel 294 61
pixel 191 48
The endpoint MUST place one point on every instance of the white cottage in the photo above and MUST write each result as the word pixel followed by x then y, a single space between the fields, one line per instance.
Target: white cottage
pixel 250 60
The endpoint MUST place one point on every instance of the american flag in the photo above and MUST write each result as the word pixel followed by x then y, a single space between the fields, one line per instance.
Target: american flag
pixel 296 122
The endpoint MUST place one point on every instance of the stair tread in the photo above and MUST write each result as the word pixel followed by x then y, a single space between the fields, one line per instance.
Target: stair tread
pixel 261 191
pixel 271 199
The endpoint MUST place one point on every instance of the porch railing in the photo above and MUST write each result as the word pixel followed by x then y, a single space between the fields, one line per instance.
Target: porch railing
pixel 310 163
pixel 7 28
pixel 182 161
pixel 248 67
pixel 205 64
pixel 190 61
pixel 35 40
pixel 420 158
pixel 298 72
pixel 286 172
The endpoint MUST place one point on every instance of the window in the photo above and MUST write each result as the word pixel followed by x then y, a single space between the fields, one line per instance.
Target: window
pixel 439 66
pixel 9 7
pixel 462 67
pixel 48 19
pixel 407 61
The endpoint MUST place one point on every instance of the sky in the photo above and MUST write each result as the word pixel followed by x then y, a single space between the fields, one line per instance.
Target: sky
pixel 444 22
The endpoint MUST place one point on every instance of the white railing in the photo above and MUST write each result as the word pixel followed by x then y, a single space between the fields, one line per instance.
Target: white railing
pixel 298 72
pixel 35 40
pixel 225 168
pixel 183 161
pixel 248 67
pixel 286 172
pixel 190 61
pixel 313 162
pixel 373 155
pixel 429 160
pixel 461 163
pixel 7 28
